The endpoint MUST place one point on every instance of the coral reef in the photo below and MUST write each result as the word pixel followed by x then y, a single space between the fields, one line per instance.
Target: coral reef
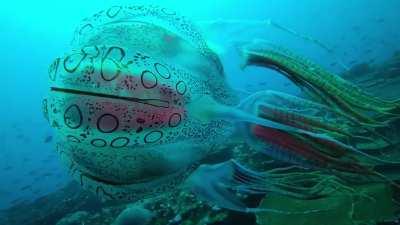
pixel 134 215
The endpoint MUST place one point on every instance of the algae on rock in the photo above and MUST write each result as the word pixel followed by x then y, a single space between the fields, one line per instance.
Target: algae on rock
pixel 368 204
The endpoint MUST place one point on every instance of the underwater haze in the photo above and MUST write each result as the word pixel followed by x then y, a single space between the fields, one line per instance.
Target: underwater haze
pixel 200 112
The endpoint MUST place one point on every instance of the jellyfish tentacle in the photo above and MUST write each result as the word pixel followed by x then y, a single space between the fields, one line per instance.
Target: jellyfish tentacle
pixel 347 97
pixel 304 114
pixel 218 184
pixel 293 145
pixel 336 144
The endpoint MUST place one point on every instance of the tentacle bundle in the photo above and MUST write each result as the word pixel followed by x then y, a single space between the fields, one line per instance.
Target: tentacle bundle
pixel 322 85
pixel 355 120
pixel 218 184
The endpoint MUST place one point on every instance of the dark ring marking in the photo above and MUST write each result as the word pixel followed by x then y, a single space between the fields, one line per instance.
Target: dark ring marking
pixel 88 25
pixel 98 143
pixel 168 12
pixel 179 87
pixel 106 57
pixel 73 139
pixel 159 67
pixel 77 65
pixel 81 179
pixel 153 136
pixel 92 51
pixel 111 11
pixel 53 69
pixel 75 113
pixel 45 108
pixel 145 77
pixel 116 74
pixel 125 142
pixel 110 130
pixel 105 163
pixel 110 196
pixel 121 52
pixel 174 120
pixel 72 171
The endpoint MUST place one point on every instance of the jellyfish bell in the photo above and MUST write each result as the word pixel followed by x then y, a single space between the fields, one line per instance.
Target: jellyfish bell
pixel 125 130
pixel 153 30
pixel 119 102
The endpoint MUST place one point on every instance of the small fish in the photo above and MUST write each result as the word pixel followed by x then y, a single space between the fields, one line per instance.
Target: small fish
pixel 352 62
pixel 16 181
pixel 59 185
pixel 7 168
pixel 32 173
pixel 37 179
pixel 380 20
pixel 47 160
pixel 17 201
pixel 333 64
pixel 26 140
pixel 286 84
pixel 48 139
pixel 4 192
pixel 356 28
pixel 367 51
pixel 24 188
pixel 36 191
pixel 263 83
pixel 25 159
pixel 51 156
pixel 47 174
pixel 60 175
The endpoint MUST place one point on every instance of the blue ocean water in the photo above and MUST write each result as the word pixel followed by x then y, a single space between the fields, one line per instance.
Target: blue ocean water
pixel 334 33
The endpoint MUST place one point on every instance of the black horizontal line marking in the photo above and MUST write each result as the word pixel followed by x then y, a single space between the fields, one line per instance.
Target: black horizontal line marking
pixel 153 102
pixel 99 180
pixel 116 183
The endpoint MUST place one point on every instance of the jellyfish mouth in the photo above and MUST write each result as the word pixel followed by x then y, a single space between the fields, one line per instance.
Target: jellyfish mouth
pixel 87 173
pixel 129 21
pixel 134 190
pixel 125 183
pixel 149 101
pixel 149 181
pixel 104 181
